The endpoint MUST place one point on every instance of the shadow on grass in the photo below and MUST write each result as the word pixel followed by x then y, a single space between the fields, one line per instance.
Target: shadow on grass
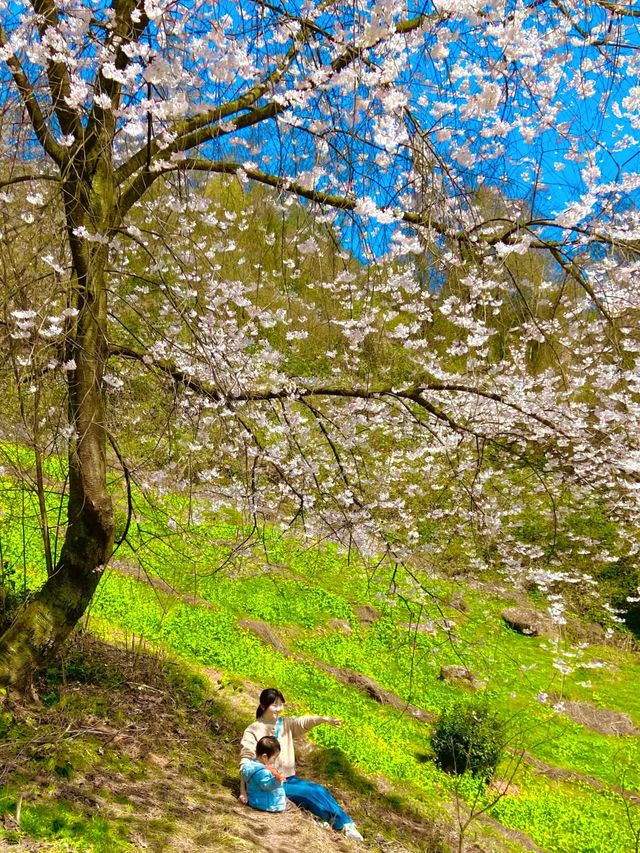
pixel 392 811
pixel 332 764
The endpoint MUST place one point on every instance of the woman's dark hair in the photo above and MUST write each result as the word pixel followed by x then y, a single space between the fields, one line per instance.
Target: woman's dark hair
pixel 268 746
pixel 267 698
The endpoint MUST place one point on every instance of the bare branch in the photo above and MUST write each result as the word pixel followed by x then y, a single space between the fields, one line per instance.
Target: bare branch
pixel 127 479
pixel 23 179
pixel 577 275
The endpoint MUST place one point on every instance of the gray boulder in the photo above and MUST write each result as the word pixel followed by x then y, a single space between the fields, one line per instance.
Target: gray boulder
pixel 527 621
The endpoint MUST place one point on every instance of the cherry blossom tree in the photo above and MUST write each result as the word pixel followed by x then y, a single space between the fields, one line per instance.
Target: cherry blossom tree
pixel 387 129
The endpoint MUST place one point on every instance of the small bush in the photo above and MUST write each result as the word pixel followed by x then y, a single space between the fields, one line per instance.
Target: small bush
pixel 469 737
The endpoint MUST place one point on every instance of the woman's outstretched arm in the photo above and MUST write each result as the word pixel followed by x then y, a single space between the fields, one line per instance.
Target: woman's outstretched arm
pixel 305 724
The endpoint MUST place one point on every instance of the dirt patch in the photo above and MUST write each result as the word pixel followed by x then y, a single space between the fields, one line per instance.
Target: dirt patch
pixel 601 720
pixel 155 761
pixel 340 626
pixel 159 764
pixel 374 691
pixel 265 633
pixel 347 676
pixel 503 788
pixel 560 774
pixel 366 614
pixel 460 676
pixel 512 834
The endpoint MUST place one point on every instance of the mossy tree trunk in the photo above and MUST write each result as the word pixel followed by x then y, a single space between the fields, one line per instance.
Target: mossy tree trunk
pixel 93 210
pixel 43 624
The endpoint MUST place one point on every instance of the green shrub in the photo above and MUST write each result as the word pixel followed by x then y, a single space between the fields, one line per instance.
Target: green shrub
pixel 469 737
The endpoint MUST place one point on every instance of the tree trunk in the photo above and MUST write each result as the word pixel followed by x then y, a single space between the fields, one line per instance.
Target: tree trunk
pixel 45 622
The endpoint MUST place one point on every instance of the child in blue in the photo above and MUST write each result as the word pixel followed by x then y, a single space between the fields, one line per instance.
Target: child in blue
pixel 264 784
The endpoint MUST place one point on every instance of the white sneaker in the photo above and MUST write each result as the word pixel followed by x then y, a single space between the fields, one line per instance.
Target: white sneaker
pixel 351 831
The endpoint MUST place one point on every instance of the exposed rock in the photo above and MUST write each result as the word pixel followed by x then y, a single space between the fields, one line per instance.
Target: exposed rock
pixel 601 720
pixel 265 633
pixel 527 621
pixel 585 632
pixel 340 626
pixel 366 614
pixel 460 675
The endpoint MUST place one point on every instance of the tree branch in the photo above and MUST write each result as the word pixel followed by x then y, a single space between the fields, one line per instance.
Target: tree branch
pixel 57 153
pixel 576 274
pixel 226 167
pixel 414 392
pixel 617 9
pixel 57 74
pixel 198 130
pixel 318 417
pixel 197 122
pixel 127 479
pixel 23 179
pixel 141 183
pixel 125 30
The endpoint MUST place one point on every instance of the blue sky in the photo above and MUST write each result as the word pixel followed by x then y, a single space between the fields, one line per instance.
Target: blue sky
pixel 450 66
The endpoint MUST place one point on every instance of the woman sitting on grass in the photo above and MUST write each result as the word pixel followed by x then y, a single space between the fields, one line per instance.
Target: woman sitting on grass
pixel 308 795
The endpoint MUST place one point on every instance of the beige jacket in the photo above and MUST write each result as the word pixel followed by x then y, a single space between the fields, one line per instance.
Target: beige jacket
pixel 291 728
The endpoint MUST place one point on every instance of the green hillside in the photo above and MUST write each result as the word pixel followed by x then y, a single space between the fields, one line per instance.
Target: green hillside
pixel 270 611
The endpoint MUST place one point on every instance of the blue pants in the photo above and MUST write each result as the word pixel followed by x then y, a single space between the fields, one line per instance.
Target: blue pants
pixel 317 800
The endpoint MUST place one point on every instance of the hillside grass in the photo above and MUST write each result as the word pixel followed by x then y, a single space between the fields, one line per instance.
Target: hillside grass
pixel 558 815
pixel 298 591
pixel 132 749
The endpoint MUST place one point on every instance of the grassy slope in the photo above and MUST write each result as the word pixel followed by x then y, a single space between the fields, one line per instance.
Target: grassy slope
pixel 130 751
pixel 378 751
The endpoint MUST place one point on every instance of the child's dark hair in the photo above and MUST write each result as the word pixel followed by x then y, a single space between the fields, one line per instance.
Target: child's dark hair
pixel 268 746
pixel 267 698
